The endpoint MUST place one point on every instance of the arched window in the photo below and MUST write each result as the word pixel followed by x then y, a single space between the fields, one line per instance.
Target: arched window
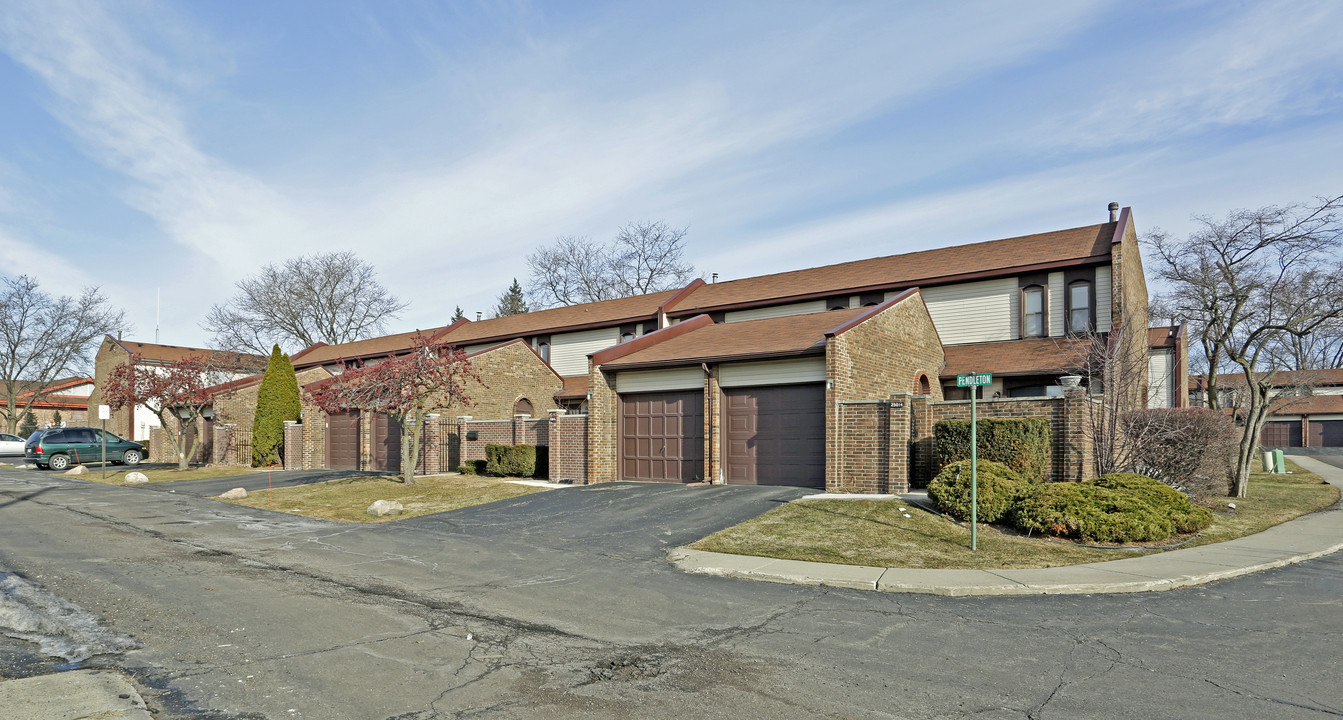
pixel 923 387
pixel 1033 312
pixel 1081 307
pixel 523 407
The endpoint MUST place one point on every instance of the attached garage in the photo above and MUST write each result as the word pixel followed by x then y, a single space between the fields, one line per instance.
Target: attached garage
pixel 662 436
pixel 1326 433
pixel 1281 434
pixel 386 444
pixel 774 435
pixel 342 440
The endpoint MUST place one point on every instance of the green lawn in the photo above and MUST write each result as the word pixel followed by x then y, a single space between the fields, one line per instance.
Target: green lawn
pixel 877 533
pixel 346 500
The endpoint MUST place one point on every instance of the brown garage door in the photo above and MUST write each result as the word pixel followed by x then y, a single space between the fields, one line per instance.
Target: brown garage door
pixel 1326 433
pixel 386 444
pixel 775 435
pixel 342 440
pixel 1281 434
pixel 662 436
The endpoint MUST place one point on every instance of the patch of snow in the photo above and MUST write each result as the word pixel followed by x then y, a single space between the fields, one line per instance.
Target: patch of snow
pixel 59 628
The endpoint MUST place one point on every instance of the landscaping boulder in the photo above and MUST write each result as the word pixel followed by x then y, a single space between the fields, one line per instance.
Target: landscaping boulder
pixel 77 470
pixel 383 508
pixel 136 478
pixel 235 494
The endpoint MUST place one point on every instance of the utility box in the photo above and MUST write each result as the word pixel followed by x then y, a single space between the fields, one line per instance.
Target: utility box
pixel 1279 462
pixel 1268 461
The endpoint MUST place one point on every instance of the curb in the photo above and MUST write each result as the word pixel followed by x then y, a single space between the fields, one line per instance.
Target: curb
pixel 1310 536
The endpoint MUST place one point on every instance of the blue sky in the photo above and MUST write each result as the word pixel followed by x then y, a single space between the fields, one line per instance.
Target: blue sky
pixel 148 145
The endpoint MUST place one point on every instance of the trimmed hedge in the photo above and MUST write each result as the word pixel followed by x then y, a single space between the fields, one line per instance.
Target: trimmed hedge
pixel 1113 508
pixel 998 489
pixel 1022 444
pixel 511 460
pixel 472 467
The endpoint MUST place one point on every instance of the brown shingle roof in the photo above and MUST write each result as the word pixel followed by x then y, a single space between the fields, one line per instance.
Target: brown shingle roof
pixel 1308 405
pixel 771 337
pixel 575 388
pixel 1016 357
pixel 606 312
pixel 320 354
pixel 909 269
pixel 174 353
pixel 1281 378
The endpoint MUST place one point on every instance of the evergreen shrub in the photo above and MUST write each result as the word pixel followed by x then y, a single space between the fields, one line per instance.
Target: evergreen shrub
pixel 1022 444
pixel 998 488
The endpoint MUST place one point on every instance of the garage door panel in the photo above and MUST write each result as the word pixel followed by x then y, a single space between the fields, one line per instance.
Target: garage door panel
pixel 1326 433
pixel 775 435
pixel 662 436
pixel 342 441
pixel 1281 434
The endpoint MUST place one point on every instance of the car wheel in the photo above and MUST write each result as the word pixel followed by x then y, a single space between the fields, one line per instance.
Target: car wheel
pixel 132 457
pixel 58 462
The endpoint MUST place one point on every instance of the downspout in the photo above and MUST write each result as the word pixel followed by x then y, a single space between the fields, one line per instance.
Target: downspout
pixel 708 391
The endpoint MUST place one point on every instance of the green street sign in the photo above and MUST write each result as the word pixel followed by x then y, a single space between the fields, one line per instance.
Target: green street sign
pixel 974 379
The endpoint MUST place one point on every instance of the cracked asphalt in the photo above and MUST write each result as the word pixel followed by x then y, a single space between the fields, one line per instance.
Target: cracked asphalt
pixel 561 604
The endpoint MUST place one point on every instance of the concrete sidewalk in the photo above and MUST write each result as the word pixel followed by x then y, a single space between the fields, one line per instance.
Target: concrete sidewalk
pixel 1307 537
pixel 75 695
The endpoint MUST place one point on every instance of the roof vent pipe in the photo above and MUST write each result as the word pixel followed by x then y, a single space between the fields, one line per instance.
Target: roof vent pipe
pixel 715 277
pixel 477 316
pixel 1114 212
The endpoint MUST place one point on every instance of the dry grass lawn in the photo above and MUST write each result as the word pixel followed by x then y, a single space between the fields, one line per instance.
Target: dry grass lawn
pixel 346 500
pixel 116 474
pixel 877 533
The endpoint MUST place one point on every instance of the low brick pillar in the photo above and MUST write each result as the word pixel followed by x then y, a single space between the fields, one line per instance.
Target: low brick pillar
pixel 520 429
pixel 431 447
pixel 293 445
pixel 923 463
pixel 219 446
pixel 568 448
pixel 156 445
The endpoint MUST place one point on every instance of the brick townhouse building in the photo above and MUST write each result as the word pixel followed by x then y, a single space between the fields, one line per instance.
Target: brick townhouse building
pixel 753 380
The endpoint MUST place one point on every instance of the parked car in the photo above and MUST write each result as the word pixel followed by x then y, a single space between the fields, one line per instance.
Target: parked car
pixel 59 448
pixel 11 444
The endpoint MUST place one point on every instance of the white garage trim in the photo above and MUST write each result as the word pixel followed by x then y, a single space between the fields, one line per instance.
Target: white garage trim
pixel 772 372
pixel 681 378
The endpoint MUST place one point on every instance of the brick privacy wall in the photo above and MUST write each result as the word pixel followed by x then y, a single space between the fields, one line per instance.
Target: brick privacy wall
pixel 518 431
pixel 293 446
pixel 569 449
pixel 603 416
pixel 880 357
pixel 1070 460
pixel 109 356
pixel 162 449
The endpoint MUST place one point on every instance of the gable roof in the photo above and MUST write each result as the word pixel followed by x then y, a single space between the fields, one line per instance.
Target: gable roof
pixel 1283 378
pixel 174 353
pixel 1075 246
pixel 561 319
pixel 790 336
pixel 1037 356
pixel 321 353
pixel 26 388
pixel 1307 405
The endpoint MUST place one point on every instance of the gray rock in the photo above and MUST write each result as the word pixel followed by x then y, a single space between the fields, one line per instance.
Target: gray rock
pixel 77 470
pixel 135 478
pixel 235 494
pixel 383 508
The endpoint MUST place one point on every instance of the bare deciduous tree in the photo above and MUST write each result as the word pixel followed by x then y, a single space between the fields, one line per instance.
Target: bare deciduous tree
pixel 45 338
pixel 644 258
pixel 328 297
pixel 1248 282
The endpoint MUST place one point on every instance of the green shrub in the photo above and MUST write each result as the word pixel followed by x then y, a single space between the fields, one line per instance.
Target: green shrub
pixel 276 401
pixel 1114 508
pixel 1022 444
pixel 998 489
pixel 511 460
pixel 472 467
pixel 28 426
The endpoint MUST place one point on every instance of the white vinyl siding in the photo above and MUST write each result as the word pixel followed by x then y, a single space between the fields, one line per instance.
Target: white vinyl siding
pixel 682 378
pixel 569 351
pixel 1159 384
pixel 1056 328
pixel 974 312
pixel 774 311
pixel 772 372
pixel 1103 298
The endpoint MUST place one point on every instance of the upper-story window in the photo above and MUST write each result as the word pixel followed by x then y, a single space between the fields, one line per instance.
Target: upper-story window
pixel 1081 304
pixel 1033 311
pixel 543 349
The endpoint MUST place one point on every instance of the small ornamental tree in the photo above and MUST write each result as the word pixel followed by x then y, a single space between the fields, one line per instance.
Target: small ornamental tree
pixel 177 393
pixel 56 419
pixel 276 401
pixel 406 388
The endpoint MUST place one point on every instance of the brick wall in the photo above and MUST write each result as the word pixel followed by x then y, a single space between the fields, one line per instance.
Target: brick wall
pixel 603 440
pixel 110 355
pixel 162 449
pixel 569 448
pixel 867 439
pixel 461 448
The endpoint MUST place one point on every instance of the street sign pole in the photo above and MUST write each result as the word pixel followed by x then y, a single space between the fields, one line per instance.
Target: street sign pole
pixel 974 381
pixel 103 413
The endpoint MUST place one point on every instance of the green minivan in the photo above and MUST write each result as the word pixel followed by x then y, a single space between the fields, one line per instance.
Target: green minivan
pixel 59 448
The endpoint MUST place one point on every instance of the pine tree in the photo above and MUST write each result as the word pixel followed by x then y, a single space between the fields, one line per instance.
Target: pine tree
pixel 56 418
pixel 29 424
pixel 459 315
pixel 511 302
pixel 277 400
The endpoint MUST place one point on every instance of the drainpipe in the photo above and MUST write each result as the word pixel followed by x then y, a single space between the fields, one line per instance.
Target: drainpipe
pixel 708 451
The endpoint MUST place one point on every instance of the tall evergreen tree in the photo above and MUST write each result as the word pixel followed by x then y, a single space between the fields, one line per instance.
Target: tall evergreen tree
pixel 459 315
pixel 512 302
pixel 277 400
